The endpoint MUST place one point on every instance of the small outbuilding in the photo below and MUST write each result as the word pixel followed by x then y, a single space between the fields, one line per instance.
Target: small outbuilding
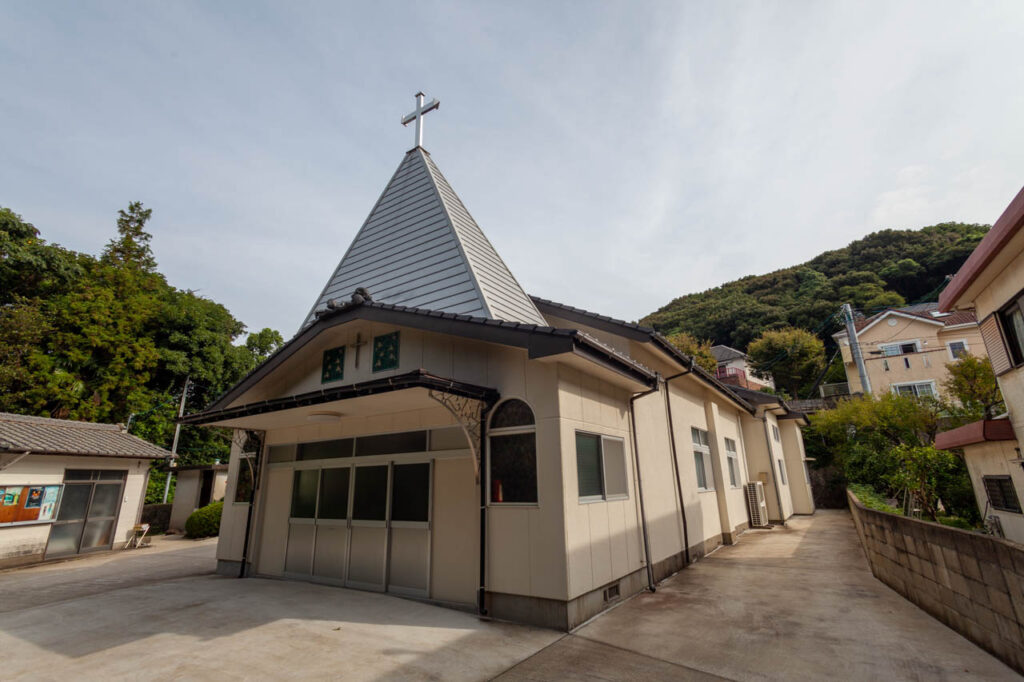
pixel 68 487
pixel 198 485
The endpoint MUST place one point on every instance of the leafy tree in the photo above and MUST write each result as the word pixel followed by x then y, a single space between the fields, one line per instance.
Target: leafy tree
pixel 700 351
pixel 973 383
pixel 266 341
pixel 920 471
pixel 131 247
pixel 793 357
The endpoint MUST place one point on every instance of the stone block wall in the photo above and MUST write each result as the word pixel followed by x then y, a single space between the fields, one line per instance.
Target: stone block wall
pixel 973 583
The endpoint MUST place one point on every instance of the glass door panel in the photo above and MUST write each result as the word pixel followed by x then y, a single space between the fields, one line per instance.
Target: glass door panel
pixel 66 531
pixel 409 558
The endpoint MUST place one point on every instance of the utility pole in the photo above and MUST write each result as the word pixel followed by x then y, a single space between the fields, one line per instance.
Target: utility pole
pixel 174 445
pixel 858 357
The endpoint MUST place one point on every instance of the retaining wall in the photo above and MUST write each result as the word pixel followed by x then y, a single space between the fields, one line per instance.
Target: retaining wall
pixel 973 583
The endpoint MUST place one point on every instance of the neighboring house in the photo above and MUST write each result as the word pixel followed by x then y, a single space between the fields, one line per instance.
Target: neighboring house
pixel 906 349
pixel 433 431
pixel 990 284
pixel 734 369
pixel 68 487
pixel 196 486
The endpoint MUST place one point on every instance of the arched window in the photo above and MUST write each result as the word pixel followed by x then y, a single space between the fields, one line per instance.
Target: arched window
pixel 512 454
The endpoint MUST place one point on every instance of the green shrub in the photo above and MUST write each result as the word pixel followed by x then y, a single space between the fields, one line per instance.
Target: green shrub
pixel 205 521
pixel 956 522
pixel 871 499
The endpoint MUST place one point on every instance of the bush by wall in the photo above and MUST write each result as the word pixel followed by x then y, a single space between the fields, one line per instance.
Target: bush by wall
pixel 158 516
pixel 205 521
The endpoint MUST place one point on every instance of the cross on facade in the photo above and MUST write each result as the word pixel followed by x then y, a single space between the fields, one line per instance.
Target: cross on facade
pixel 357 345
pixel 417 115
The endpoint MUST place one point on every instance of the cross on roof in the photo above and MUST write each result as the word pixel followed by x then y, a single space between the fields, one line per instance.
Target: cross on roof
pixel 417 115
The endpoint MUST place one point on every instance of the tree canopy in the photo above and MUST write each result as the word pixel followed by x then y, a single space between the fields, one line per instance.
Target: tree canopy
pixel 108 339
pixel 884 269
pixel 791 356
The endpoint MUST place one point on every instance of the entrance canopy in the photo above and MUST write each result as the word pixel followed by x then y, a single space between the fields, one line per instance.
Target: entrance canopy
pixel 404 392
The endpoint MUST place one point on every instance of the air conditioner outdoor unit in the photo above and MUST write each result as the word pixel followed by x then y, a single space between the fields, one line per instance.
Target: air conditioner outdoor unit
pixel 757 508
pixel 994 526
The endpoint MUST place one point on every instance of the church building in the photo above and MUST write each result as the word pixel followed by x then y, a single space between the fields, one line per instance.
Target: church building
pixel 433 431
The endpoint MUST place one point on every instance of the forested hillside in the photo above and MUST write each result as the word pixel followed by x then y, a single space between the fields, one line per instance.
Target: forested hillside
pixel 108 339
pixel 886 268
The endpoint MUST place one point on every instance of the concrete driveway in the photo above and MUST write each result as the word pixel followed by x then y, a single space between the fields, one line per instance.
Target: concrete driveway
pixel 787 604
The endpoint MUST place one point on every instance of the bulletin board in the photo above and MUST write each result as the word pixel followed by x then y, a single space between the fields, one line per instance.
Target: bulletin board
pixel 28 503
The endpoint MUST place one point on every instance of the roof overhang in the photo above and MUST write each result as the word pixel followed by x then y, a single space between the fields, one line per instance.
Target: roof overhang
pixel 959 289
pixel 976 432
pixel 361 399
pixel 539 342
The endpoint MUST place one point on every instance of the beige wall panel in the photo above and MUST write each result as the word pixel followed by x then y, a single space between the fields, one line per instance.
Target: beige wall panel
pixel 799 486
pixel 508 539
pixel 570 394
pixel 992 458
pixel 658 477
pixel 277 497
pixel 233 517
pixel 621 538
pixel 470 361
pixel 186 496
pixel 600 542
pixel 409 558
pixel 455 548
pixel 506 368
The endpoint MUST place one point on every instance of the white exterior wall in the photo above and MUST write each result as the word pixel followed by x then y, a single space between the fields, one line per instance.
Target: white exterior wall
pixel 796 467
pixel 602 538
pixel 992 458
pixel 19 541
pixel 762 455
pixel 186 496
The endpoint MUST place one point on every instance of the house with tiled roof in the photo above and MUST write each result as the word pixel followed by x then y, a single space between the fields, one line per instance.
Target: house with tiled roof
pixel 734 369
pixel 906 349
pixel 68 487
pixel 433 431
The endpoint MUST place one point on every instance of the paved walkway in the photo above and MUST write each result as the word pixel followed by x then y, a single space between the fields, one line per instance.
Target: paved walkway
pixel 795 603
pixel 787 604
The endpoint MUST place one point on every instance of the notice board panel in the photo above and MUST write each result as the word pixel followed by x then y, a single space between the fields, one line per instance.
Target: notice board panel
pixel 28 503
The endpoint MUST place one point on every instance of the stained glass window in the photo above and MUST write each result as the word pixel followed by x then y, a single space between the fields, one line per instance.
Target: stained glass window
pixel 334 365
pixel 385 352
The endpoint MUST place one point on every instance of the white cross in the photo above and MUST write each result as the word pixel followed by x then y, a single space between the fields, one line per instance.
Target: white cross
pixel 417 115
pixel 357 345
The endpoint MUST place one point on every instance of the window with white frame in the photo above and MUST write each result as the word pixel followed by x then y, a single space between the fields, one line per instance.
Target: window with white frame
pixel 957 348
pixel 512 454
pixel 733 459
pixel 782 471
pixel 919 389
pixel 600 467
pixel 900 348
pixel 775 433
pixel 702 459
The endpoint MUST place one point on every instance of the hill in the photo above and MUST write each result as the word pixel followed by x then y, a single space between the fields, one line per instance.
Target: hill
pixel 886 268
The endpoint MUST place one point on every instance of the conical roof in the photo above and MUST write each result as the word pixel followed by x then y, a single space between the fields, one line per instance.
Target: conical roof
pixel 421 248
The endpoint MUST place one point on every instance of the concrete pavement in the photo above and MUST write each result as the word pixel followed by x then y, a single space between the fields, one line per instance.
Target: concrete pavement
pixel 787 604
pixel 795 603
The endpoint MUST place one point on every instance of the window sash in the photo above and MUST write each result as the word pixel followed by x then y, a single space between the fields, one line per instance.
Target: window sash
pixel 782 471
pixel 600 467
pixel 700 465
pixel 733 479
pixel 512 468
pixel 1001 493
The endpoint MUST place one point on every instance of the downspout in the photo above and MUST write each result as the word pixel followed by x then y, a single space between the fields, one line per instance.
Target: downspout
pixel 675 460
pixel 771 467
pixel 481 593
pixel 640 488
pixel 252 499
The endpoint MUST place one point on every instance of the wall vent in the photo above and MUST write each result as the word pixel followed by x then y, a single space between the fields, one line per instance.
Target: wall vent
pixel 757 508
pixel 611 592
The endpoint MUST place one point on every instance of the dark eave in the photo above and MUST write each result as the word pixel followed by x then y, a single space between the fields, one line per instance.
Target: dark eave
pixel 637 332
pixel 975 432
pixel 415 379
pixel 537 340
pixel 1009 223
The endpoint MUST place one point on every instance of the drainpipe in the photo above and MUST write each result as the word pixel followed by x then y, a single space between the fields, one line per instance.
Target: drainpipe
pixel 481 593
pixel 771 466
pixel 252 497
pixel 675 460
pixel 640 487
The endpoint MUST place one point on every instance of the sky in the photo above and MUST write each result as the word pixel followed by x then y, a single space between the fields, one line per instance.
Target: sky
pixel 617 154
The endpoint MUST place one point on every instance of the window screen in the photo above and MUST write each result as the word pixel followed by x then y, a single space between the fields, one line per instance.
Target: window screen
pixel 334 493
pixel 588 465
pixel 304 485
pixel 782 472
pixel 513 461
pixel 410 492
pixel 369 501
pixel 325 449
pixel 1001 493
pixel 702 479
pixel 615 481
pixel 731 458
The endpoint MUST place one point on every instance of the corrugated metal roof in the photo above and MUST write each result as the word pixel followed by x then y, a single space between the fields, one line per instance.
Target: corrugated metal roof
pixel 421 248
pixel 39 435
